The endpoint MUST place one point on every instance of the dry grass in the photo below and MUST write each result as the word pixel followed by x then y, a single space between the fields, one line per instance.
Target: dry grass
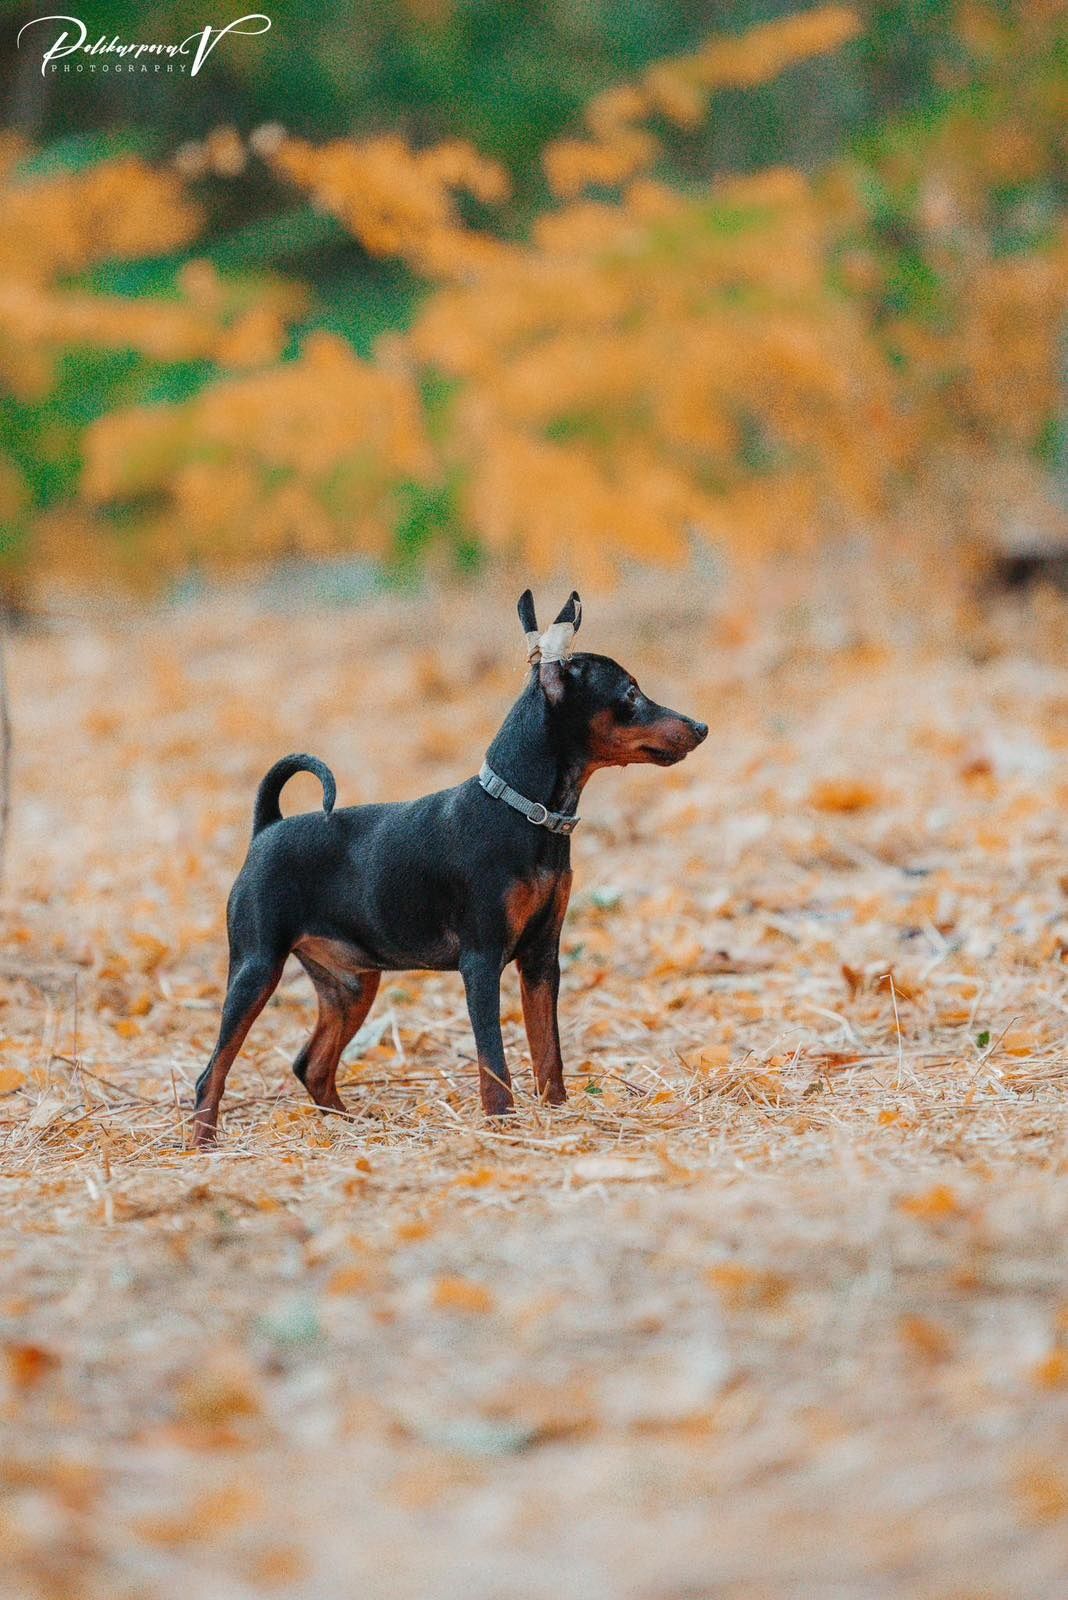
pixel 777 1306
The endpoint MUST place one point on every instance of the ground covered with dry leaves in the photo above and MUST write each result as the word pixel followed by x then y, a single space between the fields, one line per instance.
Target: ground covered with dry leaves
pixel 776 1306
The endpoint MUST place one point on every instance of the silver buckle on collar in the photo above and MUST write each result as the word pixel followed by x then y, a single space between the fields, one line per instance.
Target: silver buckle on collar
pixel 536 813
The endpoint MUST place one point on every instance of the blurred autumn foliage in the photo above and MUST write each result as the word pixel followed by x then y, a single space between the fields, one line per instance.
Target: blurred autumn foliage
pixel 606 356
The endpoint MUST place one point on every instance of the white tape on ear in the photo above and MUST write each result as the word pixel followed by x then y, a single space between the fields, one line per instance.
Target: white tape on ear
pixel 533 639
pixel 556 641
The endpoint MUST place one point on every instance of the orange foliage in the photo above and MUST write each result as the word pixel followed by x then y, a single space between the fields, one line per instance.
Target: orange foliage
pixel 620 378
pixel 61 226
pixel 641 373
pixel 678 90
pixel 614 371
pixel 396 201
pixel 302 456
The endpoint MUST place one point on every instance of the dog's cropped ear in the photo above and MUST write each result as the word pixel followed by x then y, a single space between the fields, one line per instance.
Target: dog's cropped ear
pixel 529 623
pixel 556 641
pixel 556 645
pixel 573 610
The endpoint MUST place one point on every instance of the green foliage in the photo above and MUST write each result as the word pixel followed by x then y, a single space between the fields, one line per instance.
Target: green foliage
pixel 427 517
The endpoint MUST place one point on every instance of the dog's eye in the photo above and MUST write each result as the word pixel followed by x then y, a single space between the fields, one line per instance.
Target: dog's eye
pixel 631 697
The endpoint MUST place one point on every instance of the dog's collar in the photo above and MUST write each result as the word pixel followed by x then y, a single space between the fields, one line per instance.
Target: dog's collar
pixel 533 810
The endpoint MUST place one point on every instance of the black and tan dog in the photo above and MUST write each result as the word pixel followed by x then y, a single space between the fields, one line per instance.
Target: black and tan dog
pixel 469 879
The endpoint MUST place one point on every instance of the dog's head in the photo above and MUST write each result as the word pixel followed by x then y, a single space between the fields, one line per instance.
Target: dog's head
pixel 597 704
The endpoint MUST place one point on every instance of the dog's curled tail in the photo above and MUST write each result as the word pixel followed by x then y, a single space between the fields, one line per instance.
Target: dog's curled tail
pixel 267 795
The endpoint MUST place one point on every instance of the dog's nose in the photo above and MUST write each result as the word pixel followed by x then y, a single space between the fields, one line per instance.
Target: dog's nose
pixel 701 730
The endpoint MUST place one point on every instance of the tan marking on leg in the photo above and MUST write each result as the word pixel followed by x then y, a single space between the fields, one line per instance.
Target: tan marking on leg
pixel 540 996
pixel 341 1016
pixel 543 1036
pixel 334 956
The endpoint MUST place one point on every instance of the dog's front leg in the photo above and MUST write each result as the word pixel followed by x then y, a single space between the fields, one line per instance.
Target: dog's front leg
pixel 482 980
pixel 539 984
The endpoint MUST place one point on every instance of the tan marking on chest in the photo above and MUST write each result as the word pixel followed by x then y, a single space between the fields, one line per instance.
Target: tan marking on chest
pixel 528 899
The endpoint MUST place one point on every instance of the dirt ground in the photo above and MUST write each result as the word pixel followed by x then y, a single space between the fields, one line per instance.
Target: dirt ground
pixel 776 1306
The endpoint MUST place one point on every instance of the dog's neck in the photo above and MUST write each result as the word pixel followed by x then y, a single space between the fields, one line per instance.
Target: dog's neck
pixel 529 754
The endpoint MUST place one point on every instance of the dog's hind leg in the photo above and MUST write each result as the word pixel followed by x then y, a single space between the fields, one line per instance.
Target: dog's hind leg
pixel 344 1002
pixel 252 982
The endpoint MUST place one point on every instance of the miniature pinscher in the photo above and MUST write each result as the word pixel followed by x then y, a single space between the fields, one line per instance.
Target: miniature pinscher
pixel 469 879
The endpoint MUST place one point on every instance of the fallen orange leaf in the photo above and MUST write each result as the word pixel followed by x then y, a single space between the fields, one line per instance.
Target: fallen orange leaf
pixel 926 1338
pixel 461 1294
pixel 28 1364
pixel 1052 1371
pixel 932 1204
pixel 843 795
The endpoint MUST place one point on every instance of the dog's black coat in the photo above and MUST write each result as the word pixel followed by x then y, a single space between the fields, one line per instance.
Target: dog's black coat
pixel 455 880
